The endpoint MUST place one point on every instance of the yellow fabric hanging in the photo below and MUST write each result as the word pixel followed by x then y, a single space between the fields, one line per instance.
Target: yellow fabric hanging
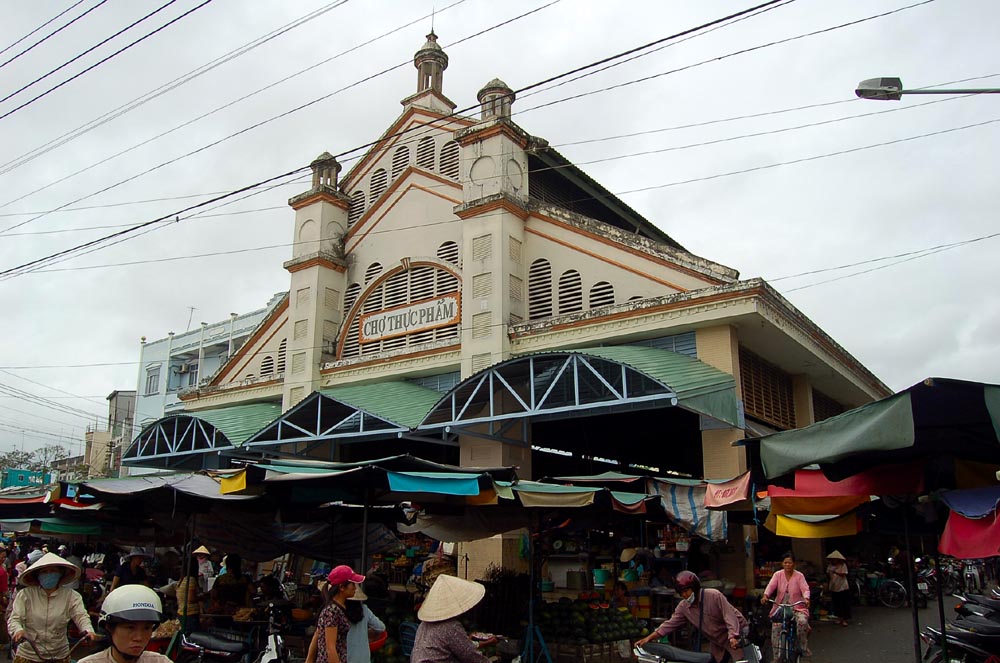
pixel 846 525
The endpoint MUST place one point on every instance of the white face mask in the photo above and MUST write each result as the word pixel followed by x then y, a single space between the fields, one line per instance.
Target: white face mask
pixel 690 599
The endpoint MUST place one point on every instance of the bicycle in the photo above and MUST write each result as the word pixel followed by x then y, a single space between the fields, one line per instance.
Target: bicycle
pixel 46 659
pixel 788 642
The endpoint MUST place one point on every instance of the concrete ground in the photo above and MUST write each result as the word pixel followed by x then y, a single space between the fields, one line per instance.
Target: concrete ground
pixel 875 635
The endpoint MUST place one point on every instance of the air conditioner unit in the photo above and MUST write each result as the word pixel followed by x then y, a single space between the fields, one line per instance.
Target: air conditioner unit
pixel 183 368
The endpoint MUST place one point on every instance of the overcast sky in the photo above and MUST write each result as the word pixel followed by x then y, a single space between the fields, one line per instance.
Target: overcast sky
pixel 796 207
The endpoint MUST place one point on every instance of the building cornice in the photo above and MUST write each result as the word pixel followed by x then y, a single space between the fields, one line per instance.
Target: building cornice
pixel 321 194
pixel 492 203
pixel 318 259
pixel 499 126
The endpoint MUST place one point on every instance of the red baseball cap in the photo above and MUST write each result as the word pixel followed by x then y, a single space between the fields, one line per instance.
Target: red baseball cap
pixel 343 573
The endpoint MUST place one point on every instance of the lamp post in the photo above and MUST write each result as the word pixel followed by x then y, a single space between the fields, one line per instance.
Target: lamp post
pixel 891 89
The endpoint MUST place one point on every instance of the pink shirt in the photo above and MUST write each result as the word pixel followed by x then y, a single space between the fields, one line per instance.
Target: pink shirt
pixel 722 621
pixel 785 590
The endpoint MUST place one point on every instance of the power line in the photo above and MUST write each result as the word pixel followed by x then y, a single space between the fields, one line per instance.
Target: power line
pixel 163 89
pixel 237 133
pixel 105 59
pixel 47 386
pixel 51 34
pixel 89 50
pixel 11 272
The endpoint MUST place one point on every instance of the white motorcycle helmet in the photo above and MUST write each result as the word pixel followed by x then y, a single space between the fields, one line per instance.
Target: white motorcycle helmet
pixel 131 603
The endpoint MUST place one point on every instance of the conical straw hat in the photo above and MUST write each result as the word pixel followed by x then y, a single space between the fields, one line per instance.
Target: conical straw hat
pixel 835 555
pixel 450 597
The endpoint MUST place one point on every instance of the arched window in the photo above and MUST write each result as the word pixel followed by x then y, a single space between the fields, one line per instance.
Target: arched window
pixel 351 296
pixel 400 160
pixel 570 292
pixel 282 352
pixel 540 289
pixel 372 272
pixel 449 160
pixel 425 153
pixel 378 184
pixel 419 283
pixel 448 252
pixel 357 208
pixel 266 366
pixel 602 293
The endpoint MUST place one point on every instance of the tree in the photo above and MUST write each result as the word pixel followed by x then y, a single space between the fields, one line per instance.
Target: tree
pixel 39 460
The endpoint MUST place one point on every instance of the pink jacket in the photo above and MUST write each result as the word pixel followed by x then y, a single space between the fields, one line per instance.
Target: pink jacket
pixel 783 590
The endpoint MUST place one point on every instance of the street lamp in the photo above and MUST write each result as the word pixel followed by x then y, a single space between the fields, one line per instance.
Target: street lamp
pixel 891 89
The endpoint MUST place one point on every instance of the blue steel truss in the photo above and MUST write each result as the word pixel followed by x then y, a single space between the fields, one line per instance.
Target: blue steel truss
pixel 549 386
pixel 174 438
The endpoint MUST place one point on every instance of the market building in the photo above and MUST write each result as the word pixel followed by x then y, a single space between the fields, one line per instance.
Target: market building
pixel 466 294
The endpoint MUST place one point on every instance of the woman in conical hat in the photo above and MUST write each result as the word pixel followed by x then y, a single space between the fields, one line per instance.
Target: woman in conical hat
pixel 43 607
pixel 840 588
pixel 441 638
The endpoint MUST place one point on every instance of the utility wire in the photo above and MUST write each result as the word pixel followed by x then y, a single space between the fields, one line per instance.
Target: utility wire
pixel 105 59
pixel 61 391
pixel 41 261
pixel 89 50
pixel 251 127
pixel 51 34
pixel 163 89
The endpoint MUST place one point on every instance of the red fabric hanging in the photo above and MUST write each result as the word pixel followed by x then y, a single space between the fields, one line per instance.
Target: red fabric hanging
pixel 970 538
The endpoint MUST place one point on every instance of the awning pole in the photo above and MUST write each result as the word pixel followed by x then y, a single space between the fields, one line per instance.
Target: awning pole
pixel 364 531
pixel 912 587
pixel 940 598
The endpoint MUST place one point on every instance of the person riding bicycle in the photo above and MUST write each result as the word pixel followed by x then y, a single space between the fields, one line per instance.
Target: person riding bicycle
pixel 43 606
pixel 789 586
pixel 708 611
pixel 129 614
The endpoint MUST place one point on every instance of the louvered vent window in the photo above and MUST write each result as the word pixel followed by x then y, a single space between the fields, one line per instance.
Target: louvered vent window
pixel 515 250
pixel 372 272
pixel 516 289
pixel 767 391
pixel 481 362
pixel 357 208
pixel 570 292
pixel 482 247
pixel 266 366
pixel 540 290
pixel 419 283
pixel 825 407
pixel 400 160
pixel 351 296
pixel 481 327
pixel 449 160
pixel 482 285
pixel 448 252
pixel 425 153
pixel 602 293
pixel 282 352
pixel 378 185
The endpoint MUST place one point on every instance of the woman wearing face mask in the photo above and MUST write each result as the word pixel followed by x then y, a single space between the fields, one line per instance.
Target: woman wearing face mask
pixel 42 609
pixel 708 611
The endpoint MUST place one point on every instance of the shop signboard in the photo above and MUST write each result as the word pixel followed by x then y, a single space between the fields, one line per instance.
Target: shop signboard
pixel 410 318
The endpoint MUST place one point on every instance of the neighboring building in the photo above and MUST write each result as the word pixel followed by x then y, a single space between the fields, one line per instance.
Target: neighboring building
pixel 182 361
pixel 16 478
pixel 466 294
pixel 71 468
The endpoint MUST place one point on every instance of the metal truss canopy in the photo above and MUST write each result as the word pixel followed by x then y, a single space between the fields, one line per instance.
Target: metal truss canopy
pixel 172 438
pixel 547 385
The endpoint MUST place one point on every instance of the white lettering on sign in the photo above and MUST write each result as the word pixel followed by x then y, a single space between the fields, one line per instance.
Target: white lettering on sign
pixel 419 316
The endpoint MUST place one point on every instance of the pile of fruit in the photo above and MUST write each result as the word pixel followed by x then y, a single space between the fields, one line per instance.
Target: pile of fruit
pixel 587 621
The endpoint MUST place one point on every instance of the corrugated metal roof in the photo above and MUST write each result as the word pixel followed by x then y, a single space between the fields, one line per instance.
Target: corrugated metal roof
pixel 239 422
pixel 698 386
pixel 402 403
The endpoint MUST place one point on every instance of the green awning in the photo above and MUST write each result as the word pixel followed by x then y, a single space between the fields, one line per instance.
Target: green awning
pixel 699 387
pixel 399 402
pixel 239 422
pixel 50 525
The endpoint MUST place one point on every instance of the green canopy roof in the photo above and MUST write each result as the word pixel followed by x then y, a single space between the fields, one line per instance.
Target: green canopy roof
pixel 402 403
pixel 698 386
pixel 239 422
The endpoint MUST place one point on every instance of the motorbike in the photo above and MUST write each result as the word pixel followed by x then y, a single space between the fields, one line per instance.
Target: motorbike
pixel 969 639
pixel 657 652
pixel 201 647
pixel 978 605
pixel 274 650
